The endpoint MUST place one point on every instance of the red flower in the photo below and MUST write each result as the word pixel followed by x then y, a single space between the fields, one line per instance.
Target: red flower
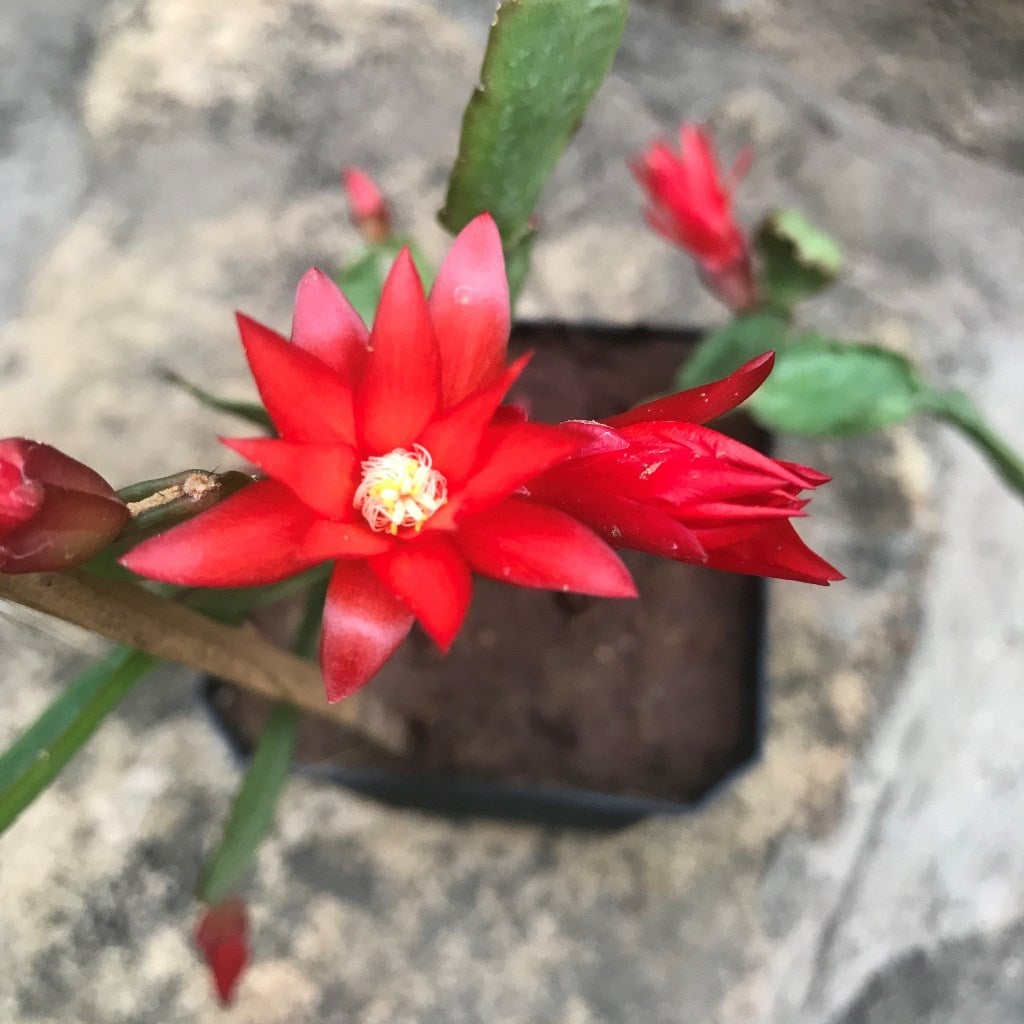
pixel 54 512
pixel 223 937
pixel 390 462
pixel 656 480
pixel 690 206
pixel 367 205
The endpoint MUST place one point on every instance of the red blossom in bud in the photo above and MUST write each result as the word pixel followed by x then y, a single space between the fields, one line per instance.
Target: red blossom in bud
pixel 690 205
pixel 391 463
pixel 223 937
pixel 54 512
pixel 366 204
pixel 655 479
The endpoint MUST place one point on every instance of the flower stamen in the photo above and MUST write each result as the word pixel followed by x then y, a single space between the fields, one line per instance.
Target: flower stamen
pixel 400 490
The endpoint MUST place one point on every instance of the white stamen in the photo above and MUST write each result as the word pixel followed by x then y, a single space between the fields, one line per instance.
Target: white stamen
pixel 400 490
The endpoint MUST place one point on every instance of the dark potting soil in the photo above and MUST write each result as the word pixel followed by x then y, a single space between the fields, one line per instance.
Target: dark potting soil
pixel 654 697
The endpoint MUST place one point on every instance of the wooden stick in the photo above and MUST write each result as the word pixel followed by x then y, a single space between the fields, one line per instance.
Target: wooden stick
pixel 138 618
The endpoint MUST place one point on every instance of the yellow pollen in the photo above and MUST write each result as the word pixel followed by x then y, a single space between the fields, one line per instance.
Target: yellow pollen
pixel 400 490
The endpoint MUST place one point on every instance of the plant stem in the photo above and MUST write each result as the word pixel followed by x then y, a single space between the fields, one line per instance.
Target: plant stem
pixel 957 409
pixel 138 618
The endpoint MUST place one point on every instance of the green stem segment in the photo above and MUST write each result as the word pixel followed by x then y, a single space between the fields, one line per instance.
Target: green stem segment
pixel 28 767
pixel 958 410
pixel 252 813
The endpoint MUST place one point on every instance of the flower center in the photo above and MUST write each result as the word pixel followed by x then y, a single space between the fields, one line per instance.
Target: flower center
pixel 400 489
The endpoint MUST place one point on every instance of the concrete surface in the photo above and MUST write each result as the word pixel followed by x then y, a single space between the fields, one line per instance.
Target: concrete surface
pixel 165 161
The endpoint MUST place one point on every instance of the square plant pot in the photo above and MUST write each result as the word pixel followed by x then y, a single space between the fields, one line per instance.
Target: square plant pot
pixel 554 707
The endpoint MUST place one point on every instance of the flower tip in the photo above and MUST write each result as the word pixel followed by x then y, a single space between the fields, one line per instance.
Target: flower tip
pixel 313 276
pixel 222 936
pixel 366 204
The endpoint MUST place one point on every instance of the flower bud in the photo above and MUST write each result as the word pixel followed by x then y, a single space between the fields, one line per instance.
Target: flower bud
pixel 222 936
pixel 690 204
pixel 367 205
pixel 54 512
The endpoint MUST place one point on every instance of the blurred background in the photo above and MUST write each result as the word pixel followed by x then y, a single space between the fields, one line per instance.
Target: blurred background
pixel 164 162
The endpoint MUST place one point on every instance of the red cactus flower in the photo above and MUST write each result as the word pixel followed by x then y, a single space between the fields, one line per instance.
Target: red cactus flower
pixel 390 462
pixel 690 205
pixel 54 512
pixel 656 480
pixel 366 204
pixel 222 936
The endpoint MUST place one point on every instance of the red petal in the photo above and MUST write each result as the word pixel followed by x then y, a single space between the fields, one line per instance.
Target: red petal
pixel 323 476
pixel 399 391
pixel 326 326
pixel 624 523
pixel 600 439
pixel 469 306
pixel 48 465
pixel 510 455
pixel 364 622
pixel 700 404
pixel 810 477
pixel 532 545
pixel 704 442
pixel 68 529
pixel 306 399
pixel 434 581
pixel 774 549
pixel 454 437
pixel 328 540
pixel 717 513
pixel 700 170
pixel 249 539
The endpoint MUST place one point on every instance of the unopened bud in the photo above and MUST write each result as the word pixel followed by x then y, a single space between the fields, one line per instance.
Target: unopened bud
pixel 367 205
pixel 54 512
pixel 222 936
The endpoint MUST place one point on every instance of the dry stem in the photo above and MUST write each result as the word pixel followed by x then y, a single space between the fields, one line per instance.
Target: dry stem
pixel 133 616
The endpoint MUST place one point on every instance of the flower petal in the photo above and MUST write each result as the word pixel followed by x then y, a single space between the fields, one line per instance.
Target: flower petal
pixel 454 437
pixel 700 404
pixel 625 523
pixel 432 578
pixel 328 540
pixel 533 545
pixel 509 456
pixel 773 549
pixel 48 465
pixel 326 326
pixel 306 399
pixel 249 539
pixel 364 623
pixel 469 305
pixel 323 476
pixel 400 388
pixel 68 529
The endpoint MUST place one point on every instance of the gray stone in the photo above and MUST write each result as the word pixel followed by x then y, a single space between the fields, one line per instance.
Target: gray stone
pixel 867 869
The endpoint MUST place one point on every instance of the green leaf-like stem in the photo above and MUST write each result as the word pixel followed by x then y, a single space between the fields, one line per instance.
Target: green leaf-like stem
pixel 797 260
pixel 28 767
pixel 251 412
pixel 545 60
pixel 252 812
pixel 824 387
pixel 728 348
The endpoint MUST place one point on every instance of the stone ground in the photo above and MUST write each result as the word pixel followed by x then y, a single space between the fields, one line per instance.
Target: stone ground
pixel 164 161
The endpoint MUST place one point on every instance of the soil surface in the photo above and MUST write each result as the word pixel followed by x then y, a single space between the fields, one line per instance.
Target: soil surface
pixel 654 697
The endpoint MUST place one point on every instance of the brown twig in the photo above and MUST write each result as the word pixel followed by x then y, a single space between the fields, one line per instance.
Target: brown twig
pixel 138 618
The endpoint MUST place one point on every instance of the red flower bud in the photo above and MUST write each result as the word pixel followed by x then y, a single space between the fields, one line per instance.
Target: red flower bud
pixel 54 512
pixel 366 204
pixel 223 937
pixel 690 205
